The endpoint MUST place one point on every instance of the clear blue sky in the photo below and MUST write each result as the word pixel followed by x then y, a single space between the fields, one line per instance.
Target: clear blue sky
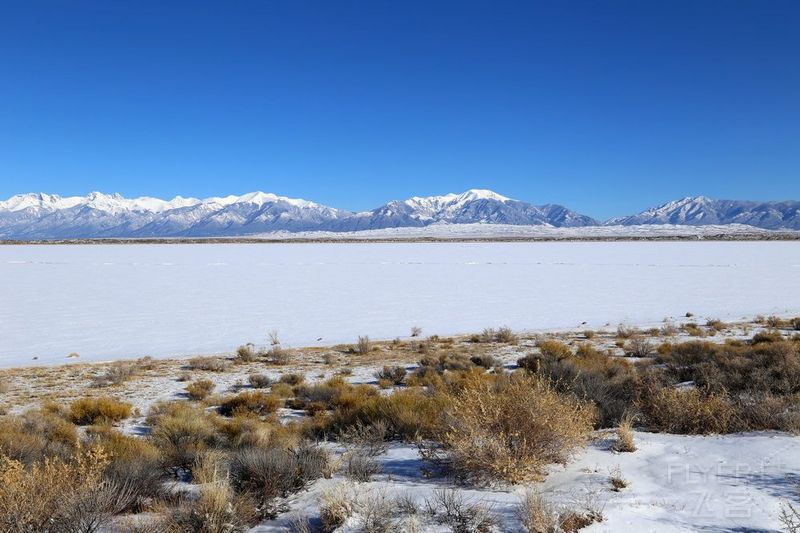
pixel 607 107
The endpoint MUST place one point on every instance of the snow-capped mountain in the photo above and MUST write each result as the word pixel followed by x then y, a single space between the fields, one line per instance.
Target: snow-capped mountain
pixel 43 216
pixel 471 207
pixel 702 211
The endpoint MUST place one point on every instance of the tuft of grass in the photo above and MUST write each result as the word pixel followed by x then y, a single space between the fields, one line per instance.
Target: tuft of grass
pixel 618 482
pixel 625 442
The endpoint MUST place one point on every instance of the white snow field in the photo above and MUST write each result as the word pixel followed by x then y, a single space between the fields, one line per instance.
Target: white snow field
pixel 677 483
pixel 115 301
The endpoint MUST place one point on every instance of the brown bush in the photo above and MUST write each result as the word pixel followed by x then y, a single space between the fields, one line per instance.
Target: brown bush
pixel 270 473
pixel 255 402
pixel 292 379
pixel 133 463
pixel 200 389
pixel 103 410
pixel 554 349
pixel 58 495
pixel 181 431
pixel 246 353
pixel 259 381
pixel 687 411
pixel 35 435
pixel 394 375
pixel 209 364
pixel 512 430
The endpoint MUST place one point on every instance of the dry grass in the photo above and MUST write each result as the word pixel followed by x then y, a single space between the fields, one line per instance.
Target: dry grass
pixel 539 516
pixel 625 441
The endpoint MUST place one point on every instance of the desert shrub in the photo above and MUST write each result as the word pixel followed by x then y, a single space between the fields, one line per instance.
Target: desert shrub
pixel 103 410
pixel 181 431
pixel 766 336
pixel 766 411
pixel 554 349
pixel 360 467
pixel 292 379
pixel 277 355
pixel 259 381
pixel 217 509
pixel 487 361
pixel 209 364
pixel 694 330
pixel 686 411
pixel 406 414
pixel 668 329
pixel 505 335
pixel 762 367
pixel 589 334
pixel 35 435
pixel 200 389
pixel 394 374
pixel 116 374
pixel 626 332
pixel 281 390
pixel 717 325
pixel 450 507
pixel 639 347
pixel 611 384
pixel 511 431
pixel 487 335
pixel 443 362
pixel 270 473
pixel 255 402
pixel 246 353
pixel 795 323
pixel 57 495
pixel 133 463
pixel 363 345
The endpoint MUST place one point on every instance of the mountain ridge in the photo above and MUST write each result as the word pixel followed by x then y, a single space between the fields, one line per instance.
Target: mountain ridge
pixel 99 215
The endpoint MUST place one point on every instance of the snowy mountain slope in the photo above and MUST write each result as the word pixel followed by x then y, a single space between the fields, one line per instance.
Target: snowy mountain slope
pixel 42 216
pixel 701 210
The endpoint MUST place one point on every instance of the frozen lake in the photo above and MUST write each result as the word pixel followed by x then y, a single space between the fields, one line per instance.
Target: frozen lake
pixel 106 301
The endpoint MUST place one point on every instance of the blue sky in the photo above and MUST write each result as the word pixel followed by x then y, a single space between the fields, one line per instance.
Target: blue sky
pixel 607 107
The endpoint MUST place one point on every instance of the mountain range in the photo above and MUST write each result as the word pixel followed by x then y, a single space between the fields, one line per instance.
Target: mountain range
pixel 45 216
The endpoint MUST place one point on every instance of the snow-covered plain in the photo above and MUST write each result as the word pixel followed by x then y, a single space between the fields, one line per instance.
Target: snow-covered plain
pixel 109 302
